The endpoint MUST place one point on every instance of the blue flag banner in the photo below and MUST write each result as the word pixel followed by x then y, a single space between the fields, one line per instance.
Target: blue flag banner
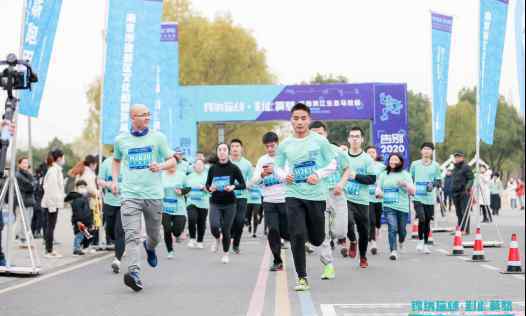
pixel 40 26
pixel 519 36
pixel 131 73
pixel 493 17
pixel 442 26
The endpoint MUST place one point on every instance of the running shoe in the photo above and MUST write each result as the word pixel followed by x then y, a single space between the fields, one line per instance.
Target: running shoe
pixel 420 246
pixel 352 249
pixel 133 281
pixel 200 245
pixel 192 244
pixel 215 246
pixel 302 285
pixel 78 253
pixel 53 255
pixel 236 250
pixel 171 255
pixel 328 272
pixel 427 250
pixel 116 266
pixel 225 259
pixel 393 255
pixel 309 248
pixel 363 263
pixel 374 250
pixel 344 251
pixel 276 267
pixel 151 256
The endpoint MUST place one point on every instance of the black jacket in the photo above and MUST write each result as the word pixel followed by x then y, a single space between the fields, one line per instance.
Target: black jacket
pixel 27 184
pixel 80 211
pixel 234 177
pixel 462 179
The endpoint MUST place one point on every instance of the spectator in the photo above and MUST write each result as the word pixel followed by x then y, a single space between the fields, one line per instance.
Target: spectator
pixel 39 221
pixel 461 190
pixel 80 214
pixel 512 191
pixel 496 188
pixel 448 186
pixel 519 191
pixel 484 196
pixel 26 184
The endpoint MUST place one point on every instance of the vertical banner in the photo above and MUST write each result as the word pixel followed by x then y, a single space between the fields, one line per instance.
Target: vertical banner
pixel 493 17
pixel 40 26
pixel 519 36
pixel 390 123
pixel 442 26
pixel 131 72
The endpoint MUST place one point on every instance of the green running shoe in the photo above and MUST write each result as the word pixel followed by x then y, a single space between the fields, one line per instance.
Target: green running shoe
pixel 302 285
pixel 328 273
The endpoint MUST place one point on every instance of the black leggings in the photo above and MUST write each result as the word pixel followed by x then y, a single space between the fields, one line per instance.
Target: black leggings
pixel 359 216
pixel 486 213
pixel 276 221
pixel 50 229
pixel 221 219
pixel 254 216
pixel 172 224
pixel 197 222
pixel 425 214
pixel 461 204
pixel 239 221
pixel 114 230
pixel 375 218
pixel 306 221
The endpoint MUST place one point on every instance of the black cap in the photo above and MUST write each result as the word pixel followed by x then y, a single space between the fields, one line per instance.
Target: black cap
pixel 459 153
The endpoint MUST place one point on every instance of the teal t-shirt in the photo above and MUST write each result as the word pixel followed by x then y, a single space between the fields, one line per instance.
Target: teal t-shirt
pixel 395 197
pixel 105 172
pixel 354 191
pixel 197 196
pixel 173 203
pixel 343 164
pixel 424 176
pixel 254 195
pixel 377 169
pixel 246 170
pixel 304 156
pixel 136 154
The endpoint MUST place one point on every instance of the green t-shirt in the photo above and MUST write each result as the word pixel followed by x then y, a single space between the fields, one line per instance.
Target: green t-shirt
pixel 254 195
pixel 105 172
pixel 136 154
pixel 343 163
pixel 354 191
pixel 246 170
pixel 395 197
pixel 424 176
pixel 197 196
pixel 377 169
pixel 173 203
pixel 304 156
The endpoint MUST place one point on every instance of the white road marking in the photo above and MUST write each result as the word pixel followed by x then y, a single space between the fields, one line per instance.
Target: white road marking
pixel 487 266
pixel 443 251
pixel 520 277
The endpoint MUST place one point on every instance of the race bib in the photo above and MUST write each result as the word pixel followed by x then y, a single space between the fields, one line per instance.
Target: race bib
pixel 270 181
pixel 140 158
pixel 353 188
pixel 255 194
pixel 372 190
pixel 391 195
pixel 170 205
pixel 302 171
pixel 221 183
pixel 196 195
pixel 421 188
pixel 239 193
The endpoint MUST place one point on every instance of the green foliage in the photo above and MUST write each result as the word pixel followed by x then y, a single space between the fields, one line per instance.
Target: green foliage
pixel 40 154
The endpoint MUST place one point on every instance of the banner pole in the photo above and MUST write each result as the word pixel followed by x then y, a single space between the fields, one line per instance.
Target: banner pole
pixel 433 134
pixel 101 108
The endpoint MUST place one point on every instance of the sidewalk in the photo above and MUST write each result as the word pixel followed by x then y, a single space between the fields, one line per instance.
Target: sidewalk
pixel 64 237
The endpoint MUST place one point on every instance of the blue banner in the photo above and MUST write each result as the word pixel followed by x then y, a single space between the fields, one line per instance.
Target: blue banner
pixel 519 36
pixel 40 25
pixel 132 72
pixel 493 17
pixel 442 26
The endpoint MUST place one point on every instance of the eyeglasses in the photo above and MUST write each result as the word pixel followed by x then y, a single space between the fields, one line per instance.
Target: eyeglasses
pixel 144 115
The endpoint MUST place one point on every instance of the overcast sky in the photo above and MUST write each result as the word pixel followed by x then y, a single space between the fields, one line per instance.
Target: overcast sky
pixel 365 40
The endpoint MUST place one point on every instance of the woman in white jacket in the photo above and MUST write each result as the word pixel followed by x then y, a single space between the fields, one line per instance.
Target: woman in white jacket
pixel 485 179
pixel 53 198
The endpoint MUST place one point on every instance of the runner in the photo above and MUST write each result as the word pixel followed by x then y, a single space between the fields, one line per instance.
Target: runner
pixel 394 187
pixel 174 207
pixel 312 159
pixel 336 214
pixel 273 191
pixel 357 193
pixel 236 156
pixel 112 211
pixel 198 204
pixel 375 205
pixel 223 178
pixel 427 176
pixel 254 210
pixel 143 155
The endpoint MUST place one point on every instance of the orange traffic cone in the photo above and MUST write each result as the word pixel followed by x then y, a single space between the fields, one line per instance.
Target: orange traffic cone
pixel 414 230
pixel 478 248
pixel 430 240
pixel 458 247
pixel 514 260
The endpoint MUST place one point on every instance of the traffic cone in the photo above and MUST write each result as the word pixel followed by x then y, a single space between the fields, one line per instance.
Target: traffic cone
pixel 478 248
pixel 514 260
pixel 414 230
pixel 458 247
pixel 430 240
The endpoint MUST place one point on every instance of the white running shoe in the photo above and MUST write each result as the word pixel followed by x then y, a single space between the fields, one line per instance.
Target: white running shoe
pixel 393 255
pixel 200 245
pixel 192 244
pixel 420 246
pixel 225 259
pixel 215 246
pixel 116 266
pixel 427 250
pixel 53 255
pixel 170 255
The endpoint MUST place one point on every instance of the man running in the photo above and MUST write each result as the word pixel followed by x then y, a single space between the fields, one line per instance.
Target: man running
pixel 336 215
pixel 311 159
pixel 375 204
pixel 273 191
pixel 360 177
pixel 426 175
pixel 143 155
pixel 236 157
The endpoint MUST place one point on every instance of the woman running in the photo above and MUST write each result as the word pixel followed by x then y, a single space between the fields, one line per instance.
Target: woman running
pixel 198 204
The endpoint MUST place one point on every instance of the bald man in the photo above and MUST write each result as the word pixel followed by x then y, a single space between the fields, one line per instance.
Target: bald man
pixel 143 154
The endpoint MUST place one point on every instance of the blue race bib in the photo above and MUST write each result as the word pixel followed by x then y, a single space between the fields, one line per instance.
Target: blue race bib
pixel 353 188
pixel 140 158
pixel 302 171
pixel 221 183
pixel 391 195
pixel 196 195
pixel 170 205
pixel 421 188
pixel 270 181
